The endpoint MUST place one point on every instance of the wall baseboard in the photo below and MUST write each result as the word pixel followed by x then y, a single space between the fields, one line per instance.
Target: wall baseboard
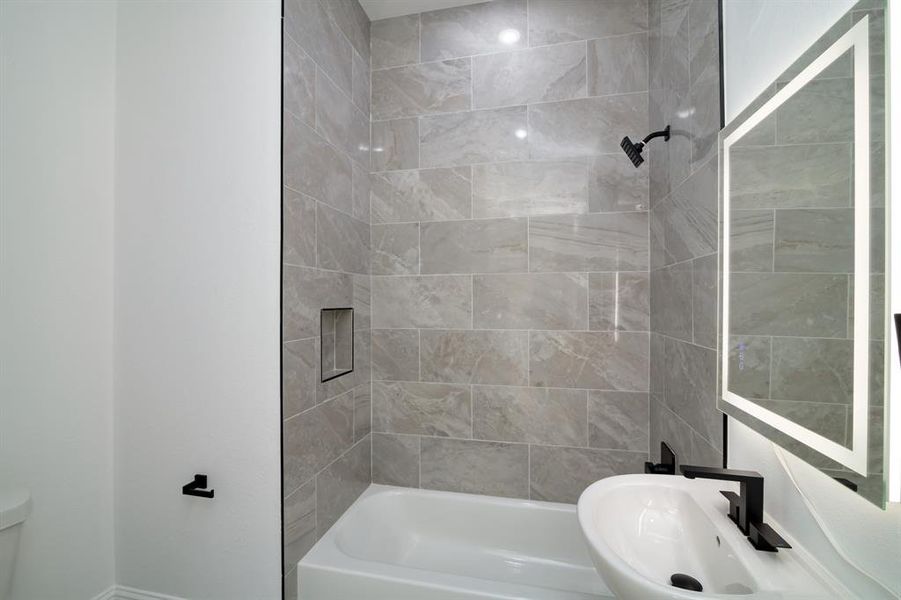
pixel 121 592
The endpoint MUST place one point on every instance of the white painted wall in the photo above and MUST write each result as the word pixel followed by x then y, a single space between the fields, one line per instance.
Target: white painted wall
pixel 197 297
pixel 761 39
pixel 57 101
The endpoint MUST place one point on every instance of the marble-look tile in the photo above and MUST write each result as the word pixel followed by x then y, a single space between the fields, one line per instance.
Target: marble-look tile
pixel 618 65
pixel 361 84
pixel 340 122
pixel 615 185
pixel 430 302
pixel 691 218
pixel 363 357
pixel 791 304
pixel 814 370
pixel 300 370
pixel 395 354
pixel 341 483
pixel 299 524
pixel 527 76
pixel 482 246
pixel 475 467
pixel 559 474
pixel 821 111
pixel 691 384
pixel 395 459
pixel 487 357
pixel 749 366
pixel 362 301
pixel 395 41
pixel 704 453
pixel 828 420
pixel 595 242
pixel 530 301
pixel 585 127
pixel 429 88
pixel 669 163
pixel 705 280
pixel 618 420
pixel 299 75
pixel 589 360
pixel 315 167
pixel 315 438
pixel 474 137
pixel 342 242
pixel 666 426
pixel 395 249
pixel 619 301
pixel 352 20
pixel 704 121
pixel 555 21
pixel 472 29
pixel 657 382
pixel 533 415
pixel 751 240
pixel 299 238
pixel 704 35
pixel 805 176
pixel 304 292
pixel 360 194
pixel 520 189
pixel 309 25
pixel 422 195
pixel 656 236
pixel 362 412
pixel 395 145
pixel 669 42
pixel 422 408
pixel 814 240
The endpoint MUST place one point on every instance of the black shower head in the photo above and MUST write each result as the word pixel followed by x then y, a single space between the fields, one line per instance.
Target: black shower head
pixel 633 149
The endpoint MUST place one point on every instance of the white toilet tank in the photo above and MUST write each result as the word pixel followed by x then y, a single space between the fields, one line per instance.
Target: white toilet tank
pixel 15 506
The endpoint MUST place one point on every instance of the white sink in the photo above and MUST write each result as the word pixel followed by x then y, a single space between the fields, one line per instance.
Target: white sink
pixel 642 529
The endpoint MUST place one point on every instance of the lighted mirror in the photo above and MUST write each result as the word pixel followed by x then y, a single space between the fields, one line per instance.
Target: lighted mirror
pixel 803 221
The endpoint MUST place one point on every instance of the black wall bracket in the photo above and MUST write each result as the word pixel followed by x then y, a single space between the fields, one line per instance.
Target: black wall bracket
pixel 197 487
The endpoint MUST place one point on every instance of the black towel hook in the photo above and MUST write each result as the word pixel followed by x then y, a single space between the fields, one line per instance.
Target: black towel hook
pixel 197 487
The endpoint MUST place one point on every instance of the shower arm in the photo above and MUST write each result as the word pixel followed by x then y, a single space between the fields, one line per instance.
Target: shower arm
pixel 664 133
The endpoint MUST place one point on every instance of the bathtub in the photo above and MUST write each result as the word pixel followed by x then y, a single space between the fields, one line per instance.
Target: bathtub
pixel 408 544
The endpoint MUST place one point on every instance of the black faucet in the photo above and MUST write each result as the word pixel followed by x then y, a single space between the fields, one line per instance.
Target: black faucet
pixel 746 507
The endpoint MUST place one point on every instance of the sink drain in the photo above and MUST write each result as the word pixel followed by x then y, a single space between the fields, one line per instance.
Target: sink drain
pixel 686 582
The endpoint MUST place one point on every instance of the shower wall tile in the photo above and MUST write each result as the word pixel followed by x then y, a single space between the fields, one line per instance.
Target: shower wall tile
pixel 422 195
pixel 527 76
pixel 395 41
pixel 691 216
pixel 299 237
pixel 691 384
pixel 299 74
pixel 534 415
pixel 362 301
pixel 585 127
pixel 487 357
pixel 618 420
pixel 589 360
pixel 315 167
pixel 351 19
pixel 395 145
pixel 313 439
pixel 427 302
pixel 530 301
pixel 395 354
pixel 814 240
pixel 559 474
pixel 360 193
pixel 395 249
pixel 304 292
pixel 341 483
pixel 299 524
pixel 474 137
pixel 475 467
pixel 705 317
pixel 704 46
pixel 595 242
pixel 472 29
pixel 422 408
pixel 340 122
pixel 300 372
pixel 519 189
pixel 614 185
pixel 751 240
pixel 482 246
pixel 362 412
pixel 395 459
pixel 308 24
pixel 342 242
pixel 409 91
pixel 619 301
pixel 556 21
pixel 618 65
pixel 361 84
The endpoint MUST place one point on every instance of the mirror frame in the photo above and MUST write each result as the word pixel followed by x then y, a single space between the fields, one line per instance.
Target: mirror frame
pixel 854 458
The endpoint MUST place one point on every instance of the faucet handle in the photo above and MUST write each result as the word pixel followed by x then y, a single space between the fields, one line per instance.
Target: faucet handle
pixel 763 537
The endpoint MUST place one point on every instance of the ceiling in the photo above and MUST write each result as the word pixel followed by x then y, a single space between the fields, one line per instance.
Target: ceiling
pixel 383 9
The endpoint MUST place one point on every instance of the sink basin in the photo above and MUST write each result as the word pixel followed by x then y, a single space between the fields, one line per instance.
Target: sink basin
pixel 642 529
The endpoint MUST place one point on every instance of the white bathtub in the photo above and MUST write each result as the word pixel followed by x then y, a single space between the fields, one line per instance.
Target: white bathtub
pixel 407 544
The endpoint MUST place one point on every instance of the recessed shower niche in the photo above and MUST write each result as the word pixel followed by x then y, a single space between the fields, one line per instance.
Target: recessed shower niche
pixel 336 328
